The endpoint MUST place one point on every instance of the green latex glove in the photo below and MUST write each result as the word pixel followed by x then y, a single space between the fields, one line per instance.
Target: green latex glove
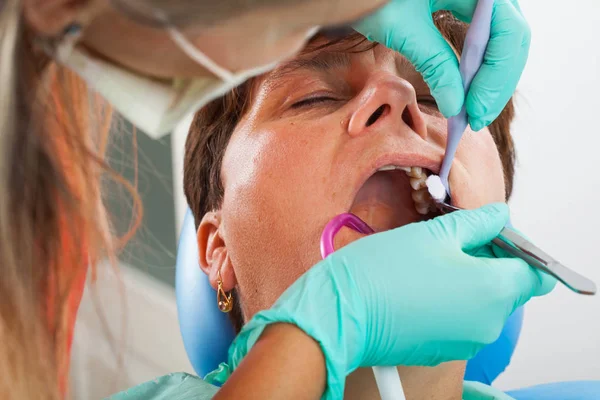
pixel 407 26
pixel 409 296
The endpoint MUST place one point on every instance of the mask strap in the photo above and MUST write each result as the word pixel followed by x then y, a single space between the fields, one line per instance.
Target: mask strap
pixel 60 47
pixel 189 49
pixel 192 52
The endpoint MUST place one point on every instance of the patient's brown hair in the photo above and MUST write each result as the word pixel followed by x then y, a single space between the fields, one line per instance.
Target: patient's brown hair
pixel 214 124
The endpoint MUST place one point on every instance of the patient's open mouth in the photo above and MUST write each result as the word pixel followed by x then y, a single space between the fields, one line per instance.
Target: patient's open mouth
pixel 394 196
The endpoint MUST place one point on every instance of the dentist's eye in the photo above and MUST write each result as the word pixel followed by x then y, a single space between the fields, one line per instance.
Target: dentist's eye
pixel 311 101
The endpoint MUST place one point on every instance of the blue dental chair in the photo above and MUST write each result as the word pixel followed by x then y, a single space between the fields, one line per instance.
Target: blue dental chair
pixel 207 332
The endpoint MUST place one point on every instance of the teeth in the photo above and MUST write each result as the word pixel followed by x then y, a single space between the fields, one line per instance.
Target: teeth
pixel 415 172
pixel 418 178
pixel 422 209
pixel 421 196
pixel 393 167
pixel 418 183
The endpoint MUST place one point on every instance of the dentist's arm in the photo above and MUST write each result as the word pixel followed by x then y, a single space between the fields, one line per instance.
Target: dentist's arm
pixel 285 363
pixel 407 26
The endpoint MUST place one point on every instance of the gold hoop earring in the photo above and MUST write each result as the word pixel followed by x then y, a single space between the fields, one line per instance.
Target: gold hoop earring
pixel 224 300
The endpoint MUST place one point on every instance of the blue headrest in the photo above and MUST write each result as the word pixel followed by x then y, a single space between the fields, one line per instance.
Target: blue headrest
pixel 207 332
pixel 493 359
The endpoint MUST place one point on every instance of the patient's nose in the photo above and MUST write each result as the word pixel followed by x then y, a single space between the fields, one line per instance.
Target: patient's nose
pixel 387 99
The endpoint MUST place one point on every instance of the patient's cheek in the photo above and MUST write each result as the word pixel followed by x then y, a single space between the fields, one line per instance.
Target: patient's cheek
pixel 479 155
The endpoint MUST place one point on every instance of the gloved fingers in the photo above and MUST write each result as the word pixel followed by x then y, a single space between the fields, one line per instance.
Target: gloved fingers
pixel 472 228
pixel 463 10
pixel 485 251
pixel 504 61
pixel 516 5
pixel 407 27
pixel 435 60
pixel 548 282
pixel 515 282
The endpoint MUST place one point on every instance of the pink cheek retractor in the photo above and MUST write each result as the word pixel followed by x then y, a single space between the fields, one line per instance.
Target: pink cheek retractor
pixel 333 227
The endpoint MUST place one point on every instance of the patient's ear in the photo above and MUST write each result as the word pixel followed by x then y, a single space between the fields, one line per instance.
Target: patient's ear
pixel 212 252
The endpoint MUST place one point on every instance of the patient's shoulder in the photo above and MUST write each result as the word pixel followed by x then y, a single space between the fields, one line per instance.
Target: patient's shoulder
pixel 178 386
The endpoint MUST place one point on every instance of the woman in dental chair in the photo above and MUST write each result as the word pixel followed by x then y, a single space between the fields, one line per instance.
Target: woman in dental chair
pixel 347 126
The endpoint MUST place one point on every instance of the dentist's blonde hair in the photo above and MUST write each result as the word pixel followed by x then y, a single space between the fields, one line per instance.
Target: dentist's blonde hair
pixel 53 225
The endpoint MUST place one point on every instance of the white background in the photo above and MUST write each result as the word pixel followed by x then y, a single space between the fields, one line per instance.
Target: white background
pixel 555 203
pixel 558 187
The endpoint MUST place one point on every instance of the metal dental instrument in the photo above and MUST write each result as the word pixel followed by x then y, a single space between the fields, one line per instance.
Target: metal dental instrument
pixel 520 247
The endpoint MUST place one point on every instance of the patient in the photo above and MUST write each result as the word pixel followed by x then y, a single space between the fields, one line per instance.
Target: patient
pixel 268 166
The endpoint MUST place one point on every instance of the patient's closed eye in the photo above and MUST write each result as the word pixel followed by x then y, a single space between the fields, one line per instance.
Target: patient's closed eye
pixel 312 101
pixel 427 101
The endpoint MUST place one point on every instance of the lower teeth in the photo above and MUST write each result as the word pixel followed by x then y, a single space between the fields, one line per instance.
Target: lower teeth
pixel 421 195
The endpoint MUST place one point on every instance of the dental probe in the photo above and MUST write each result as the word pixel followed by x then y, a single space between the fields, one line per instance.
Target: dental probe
pixel 518 246
pixel 387 378
pixel 471 59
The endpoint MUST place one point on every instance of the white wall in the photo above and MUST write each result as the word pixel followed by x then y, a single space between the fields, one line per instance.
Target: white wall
pixel 143 308
pixel 178 138
pixel 556 198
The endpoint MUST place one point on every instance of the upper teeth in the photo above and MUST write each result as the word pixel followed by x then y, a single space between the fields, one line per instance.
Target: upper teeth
pixel 393 167
pixel 417 177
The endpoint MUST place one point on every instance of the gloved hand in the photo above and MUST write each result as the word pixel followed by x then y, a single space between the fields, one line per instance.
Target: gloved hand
pixel 407 26
pixel 409 296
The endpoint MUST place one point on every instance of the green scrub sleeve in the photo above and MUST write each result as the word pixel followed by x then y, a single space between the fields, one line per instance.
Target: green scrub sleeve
pixel 179 386
pixel 182 386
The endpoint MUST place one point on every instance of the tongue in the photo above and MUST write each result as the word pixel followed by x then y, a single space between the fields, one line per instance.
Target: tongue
pixel 385 201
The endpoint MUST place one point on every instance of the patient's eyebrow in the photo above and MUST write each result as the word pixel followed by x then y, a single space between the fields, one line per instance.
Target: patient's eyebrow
pixel 323 61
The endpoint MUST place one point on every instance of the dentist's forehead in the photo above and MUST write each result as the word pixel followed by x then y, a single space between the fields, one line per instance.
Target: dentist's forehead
pixel 192 13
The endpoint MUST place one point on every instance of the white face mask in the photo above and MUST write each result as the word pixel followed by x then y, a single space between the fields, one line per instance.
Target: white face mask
pixel 156 107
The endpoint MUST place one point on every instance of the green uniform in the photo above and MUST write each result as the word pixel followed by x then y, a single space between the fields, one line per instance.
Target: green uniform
pixel 182 386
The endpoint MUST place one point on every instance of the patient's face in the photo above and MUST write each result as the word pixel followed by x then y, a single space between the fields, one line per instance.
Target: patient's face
pixel 309 148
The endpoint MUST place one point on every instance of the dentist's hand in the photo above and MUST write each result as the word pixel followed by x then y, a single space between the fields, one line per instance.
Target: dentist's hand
pixel 407 26
pixel 409 296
